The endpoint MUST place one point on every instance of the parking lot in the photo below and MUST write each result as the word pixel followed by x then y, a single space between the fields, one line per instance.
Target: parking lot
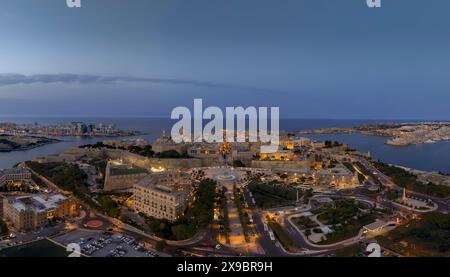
pixel 105 244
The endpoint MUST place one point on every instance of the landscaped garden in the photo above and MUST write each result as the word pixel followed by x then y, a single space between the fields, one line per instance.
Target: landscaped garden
pixel 272 195
pixel 304 222
pixel 345 219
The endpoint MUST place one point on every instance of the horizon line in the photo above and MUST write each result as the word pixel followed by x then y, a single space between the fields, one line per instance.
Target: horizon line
pixel 168 118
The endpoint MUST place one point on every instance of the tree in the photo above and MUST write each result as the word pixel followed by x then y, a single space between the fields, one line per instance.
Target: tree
pixel 169 154
pixel 3 228
pixel 182 231
pixel 238 163
pixel 308 232
pixel 160 245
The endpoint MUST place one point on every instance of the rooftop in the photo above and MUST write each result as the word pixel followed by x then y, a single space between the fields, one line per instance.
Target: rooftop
pixel 38 203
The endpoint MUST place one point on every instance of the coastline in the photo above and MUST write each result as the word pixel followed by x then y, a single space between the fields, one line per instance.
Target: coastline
pixel 26 148
pixel 52 140
pixel 429 157
pixel 399 135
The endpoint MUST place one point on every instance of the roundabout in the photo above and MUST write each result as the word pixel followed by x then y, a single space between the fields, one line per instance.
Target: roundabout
pixel 94 224
pixel 225 175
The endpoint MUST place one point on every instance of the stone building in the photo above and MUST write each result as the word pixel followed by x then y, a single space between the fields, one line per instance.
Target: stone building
pixel 31 212
pixel 163 195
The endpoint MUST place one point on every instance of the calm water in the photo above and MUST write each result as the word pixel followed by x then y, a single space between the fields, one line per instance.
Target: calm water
pixel 41 248
pixel 432 157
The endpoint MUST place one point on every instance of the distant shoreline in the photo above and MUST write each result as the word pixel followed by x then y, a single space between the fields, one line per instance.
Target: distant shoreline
pixel 400 134
pixel 25 148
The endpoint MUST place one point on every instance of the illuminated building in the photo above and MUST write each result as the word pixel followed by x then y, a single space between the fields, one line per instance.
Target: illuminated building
pixel 162 195
pixel 119 176
pixel 31 212
pixel 282 155
pixel 14 176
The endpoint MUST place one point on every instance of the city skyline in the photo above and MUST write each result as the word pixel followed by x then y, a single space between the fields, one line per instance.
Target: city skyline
pixel 313 59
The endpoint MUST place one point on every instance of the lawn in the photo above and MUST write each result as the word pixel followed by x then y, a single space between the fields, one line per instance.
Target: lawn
pixel 304 223
pixel 272 195
pixel 346 220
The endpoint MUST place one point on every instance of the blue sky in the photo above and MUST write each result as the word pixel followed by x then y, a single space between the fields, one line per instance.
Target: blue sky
pixel 313 58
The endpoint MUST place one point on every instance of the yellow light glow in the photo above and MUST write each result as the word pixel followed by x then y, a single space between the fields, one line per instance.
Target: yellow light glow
pixel 158 169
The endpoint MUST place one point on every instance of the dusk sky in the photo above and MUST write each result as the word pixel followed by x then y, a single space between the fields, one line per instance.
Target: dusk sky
pixel 313 58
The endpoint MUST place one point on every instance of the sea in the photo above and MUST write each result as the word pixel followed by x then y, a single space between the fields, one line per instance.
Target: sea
pixel 39 248
pixel 428 157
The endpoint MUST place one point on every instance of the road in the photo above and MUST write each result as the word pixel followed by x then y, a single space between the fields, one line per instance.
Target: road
pixel 21 238
pixel 270 248
pixel 443 204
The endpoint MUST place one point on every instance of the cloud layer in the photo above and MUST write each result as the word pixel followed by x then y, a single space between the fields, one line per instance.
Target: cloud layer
pixel 20 79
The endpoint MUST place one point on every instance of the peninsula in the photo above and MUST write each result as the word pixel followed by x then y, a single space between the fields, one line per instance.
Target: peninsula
pixel 399 134
pixel 10 143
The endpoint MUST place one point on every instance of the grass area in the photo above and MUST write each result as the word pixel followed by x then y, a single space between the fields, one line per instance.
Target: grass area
pixel 282 236
pixel 342 232
pixel 304 223
pixel 409 181
pixel 369 192
pixel 344 210
pixel 272 195
pixel 428 237
pixel 346 220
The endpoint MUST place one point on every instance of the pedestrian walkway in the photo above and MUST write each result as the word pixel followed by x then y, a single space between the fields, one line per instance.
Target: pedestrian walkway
pixel 236 236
